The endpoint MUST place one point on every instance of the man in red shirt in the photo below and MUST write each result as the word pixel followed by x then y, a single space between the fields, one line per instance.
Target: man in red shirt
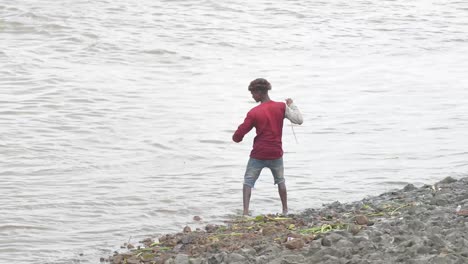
pixel 267 118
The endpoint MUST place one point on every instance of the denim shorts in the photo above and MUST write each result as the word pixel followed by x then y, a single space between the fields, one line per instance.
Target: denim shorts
pixel 255 166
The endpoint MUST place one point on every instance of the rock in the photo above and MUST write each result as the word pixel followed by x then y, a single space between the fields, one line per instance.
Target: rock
pixel 196 261
pixel 294 244
pixel 187 229
pixel 187 239
pixel 423 250
pixel 269 230
pixel 234 257
pixel 293 259
pixel 354 229
pixel 270 249
pixel 334 237
pixel 169 261
pixel 132 260
pixel 361 220
pixel 409 187
pixel 130 246
pixel 218 258
pixel 448 180
pixel 463 212
pixel 343 243
pixel 249 251
pixel 117 259
pixel 416 225
pixel 211 228
pixel 326 242
pixel 181 259
pixel 197 218
pixel 147 242
pixel 308 238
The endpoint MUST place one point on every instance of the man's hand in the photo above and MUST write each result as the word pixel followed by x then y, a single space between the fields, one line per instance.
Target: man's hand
pixel 289 101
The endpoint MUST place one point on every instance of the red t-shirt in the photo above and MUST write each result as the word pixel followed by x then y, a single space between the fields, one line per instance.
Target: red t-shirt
pixel 268 119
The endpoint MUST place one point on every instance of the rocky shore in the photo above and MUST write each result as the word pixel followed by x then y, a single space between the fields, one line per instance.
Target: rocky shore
pixel 412 225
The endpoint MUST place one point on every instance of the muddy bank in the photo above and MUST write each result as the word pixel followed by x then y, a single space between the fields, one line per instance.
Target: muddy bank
pixel 412 225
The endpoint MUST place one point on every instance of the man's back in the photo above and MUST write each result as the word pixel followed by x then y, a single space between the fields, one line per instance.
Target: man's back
pixel 267 118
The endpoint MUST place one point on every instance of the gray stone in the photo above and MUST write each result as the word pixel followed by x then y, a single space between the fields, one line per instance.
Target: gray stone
pixel 293 259
pixel 423 250
pixel 435 241
pixel 409 187
pixel 234 257
pixel 416 225
pixel 331 251
pixel 334 237
pixel 248 251
pixel 448 180
pixel 294 244
pixel 270 249
pixel 169 261
pixel 218 258
pixel 181 259
pixel 343 243
pixel 362 220
pixel 326 242
pixel 195 261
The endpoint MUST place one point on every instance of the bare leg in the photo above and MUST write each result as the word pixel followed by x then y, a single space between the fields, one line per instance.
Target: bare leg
pixel 284 196
pixel 246 192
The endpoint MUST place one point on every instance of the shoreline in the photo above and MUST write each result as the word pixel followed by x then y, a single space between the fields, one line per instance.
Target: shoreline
pixel 410 225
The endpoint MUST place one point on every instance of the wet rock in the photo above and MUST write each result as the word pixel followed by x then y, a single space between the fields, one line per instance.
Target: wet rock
pixel 169 261
pixel 132 260
pixel 448 180
pixel 130 246
pixel 326 242
pixel 248 251
pixel 354 229
pixel 218 258
pixel 293 259
pixel 117 259
pixel 416 225
pixel 187 239
pixel 294 244
pixel 270 249
pixel 269 230
pixel 187 229
pixel 361 220
pixel 147 242
pixel 343 243
pixel 181 259
pixel 196 261
pixel 234 257
pixel 463 212
pixel 334 237
pixel 409 187
pixel 197 218
pixel 211 228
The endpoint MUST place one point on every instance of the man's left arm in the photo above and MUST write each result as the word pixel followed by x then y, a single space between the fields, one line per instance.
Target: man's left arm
pixel 292 112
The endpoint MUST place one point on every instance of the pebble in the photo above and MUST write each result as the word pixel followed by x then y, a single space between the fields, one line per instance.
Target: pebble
pixel 362 220
pixel 187 229
pixel 294 244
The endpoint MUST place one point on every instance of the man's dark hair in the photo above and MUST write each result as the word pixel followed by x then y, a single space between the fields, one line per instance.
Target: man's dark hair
pixel 259 84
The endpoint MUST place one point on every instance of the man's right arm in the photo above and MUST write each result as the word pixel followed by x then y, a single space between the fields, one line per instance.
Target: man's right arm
pixel 244 128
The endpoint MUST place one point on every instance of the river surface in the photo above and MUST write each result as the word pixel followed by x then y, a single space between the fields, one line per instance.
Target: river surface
pixel 116 116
